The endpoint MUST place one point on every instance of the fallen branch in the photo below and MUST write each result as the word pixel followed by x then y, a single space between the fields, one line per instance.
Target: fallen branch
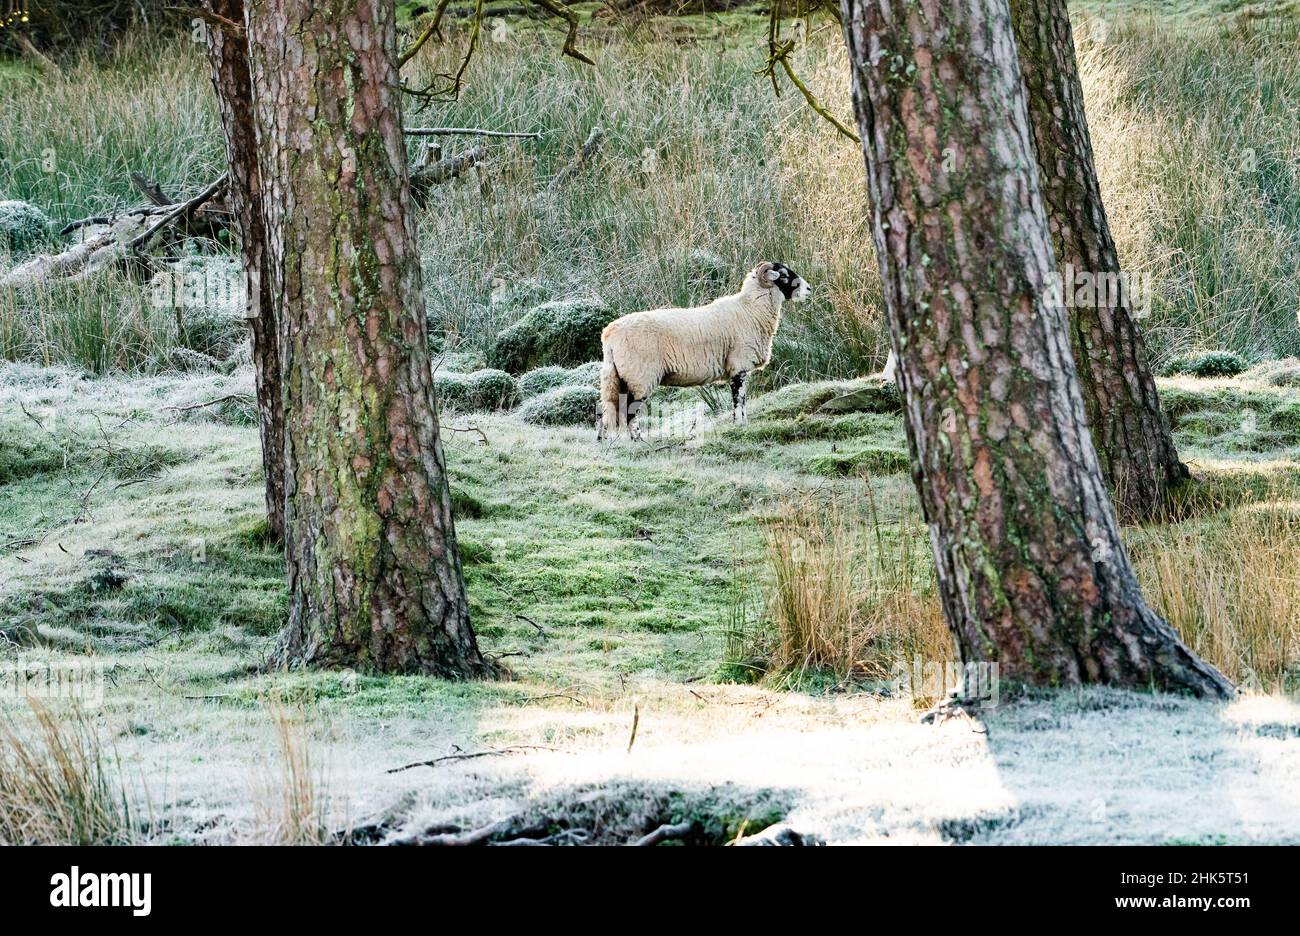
pixel 666 832
pixel 151 190
pixel 581 158
pixel 781 835
pixel 77 260
pixel 184 210
pixel 140 213
pixel 43 61
pixel 229 397
pixel 513 830
pixel 475 429
pixel 467 131
pixel 472 755
pixel 554 695
pixel 444 170
pixel 541 632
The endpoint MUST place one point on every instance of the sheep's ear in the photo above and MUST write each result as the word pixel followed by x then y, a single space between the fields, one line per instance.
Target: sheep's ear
pixel 765 275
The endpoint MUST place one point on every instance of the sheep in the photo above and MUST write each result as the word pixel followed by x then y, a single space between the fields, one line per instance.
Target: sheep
pixel 723 341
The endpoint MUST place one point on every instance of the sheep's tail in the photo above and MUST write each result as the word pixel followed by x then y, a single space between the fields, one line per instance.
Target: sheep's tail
pixel 610 385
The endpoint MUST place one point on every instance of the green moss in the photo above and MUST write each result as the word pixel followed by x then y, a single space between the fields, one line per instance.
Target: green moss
pixel 872 460
pixel 473 552
pixel 465 505
pixel 563 334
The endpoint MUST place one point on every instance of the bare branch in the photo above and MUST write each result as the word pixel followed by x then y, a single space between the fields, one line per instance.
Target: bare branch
pixel 215 20
pixel 183 210
pixel 466 131
pixel 429 30
pixel 778 53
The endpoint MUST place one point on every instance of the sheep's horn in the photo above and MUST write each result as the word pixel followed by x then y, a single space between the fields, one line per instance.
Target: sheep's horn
pixel 761 273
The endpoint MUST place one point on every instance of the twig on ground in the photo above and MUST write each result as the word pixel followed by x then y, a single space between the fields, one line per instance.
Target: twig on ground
pixel 532 623
pixel 554 695
pixel 238 397
pixel 481 434
pixel 472 755
pixel 636 720
pixel 666 832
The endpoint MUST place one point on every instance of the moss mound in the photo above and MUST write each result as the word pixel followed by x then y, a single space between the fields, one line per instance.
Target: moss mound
pixel 1234 418
pixel 545 379
pixel 830 397
pixel 25 451
pixel 564 406
pixel 1207 364
pixel 23 227
pixel 481 391
pixel 560 334
pixel 873 459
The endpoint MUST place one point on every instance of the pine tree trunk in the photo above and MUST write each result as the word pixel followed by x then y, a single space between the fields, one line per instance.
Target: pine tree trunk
pixel 374 575
pixel 1129 428
pixel 1031 570
pixel 228 56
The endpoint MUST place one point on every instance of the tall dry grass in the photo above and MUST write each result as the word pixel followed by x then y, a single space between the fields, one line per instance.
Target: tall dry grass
pixel 1230 585
pixel 850 597
pixel 291 801
pixel 1198 151
pixel 1193 126
pixel 59 785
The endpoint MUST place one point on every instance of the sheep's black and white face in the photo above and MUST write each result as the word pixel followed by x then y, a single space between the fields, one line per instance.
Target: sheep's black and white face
pixel 792 285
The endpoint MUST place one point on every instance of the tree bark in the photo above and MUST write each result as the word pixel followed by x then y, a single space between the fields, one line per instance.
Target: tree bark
pixel 1031 570
pixel 375 579
pixel 1129 429
pixel 228 56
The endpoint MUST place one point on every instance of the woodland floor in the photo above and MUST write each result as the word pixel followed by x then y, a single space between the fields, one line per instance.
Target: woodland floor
pixel 610 581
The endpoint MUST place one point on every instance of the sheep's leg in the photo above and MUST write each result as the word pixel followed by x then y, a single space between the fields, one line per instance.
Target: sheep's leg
pixel 738 397
pixel 633 428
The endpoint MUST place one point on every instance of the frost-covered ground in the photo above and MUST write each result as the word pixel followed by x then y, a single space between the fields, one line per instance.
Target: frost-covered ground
pixel 1082 768
pixel 608 580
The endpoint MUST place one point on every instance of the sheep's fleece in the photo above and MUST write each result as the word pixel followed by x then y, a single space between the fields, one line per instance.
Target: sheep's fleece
pixel 722 341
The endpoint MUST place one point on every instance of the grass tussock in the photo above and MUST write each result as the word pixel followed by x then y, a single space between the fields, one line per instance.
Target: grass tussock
pixel 1230 585
pixel 58 783
pixel 290 794
pixel 850 599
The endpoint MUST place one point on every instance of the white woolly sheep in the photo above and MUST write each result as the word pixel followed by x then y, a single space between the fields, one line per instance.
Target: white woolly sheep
pixel 723 341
